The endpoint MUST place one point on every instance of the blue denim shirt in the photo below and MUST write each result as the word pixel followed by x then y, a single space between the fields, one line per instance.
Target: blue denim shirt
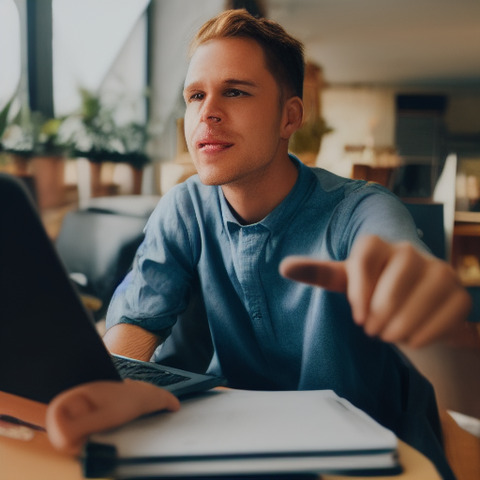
pixel 269 332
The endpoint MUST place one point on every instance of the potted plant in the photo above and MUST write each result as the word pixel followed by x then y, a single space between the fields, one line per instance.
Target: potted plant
pixel 3 125
pixel 306 141
pixel 94 132
pixel 34 148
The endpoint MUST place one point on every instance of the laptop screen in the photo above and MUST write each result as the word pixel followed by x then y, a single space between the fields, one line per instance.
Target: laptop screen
pixel 48 342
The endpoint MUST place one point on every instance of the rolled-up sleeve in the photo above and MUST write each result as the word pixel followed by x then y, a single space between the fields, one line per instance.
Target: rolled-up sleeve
pixel 156 289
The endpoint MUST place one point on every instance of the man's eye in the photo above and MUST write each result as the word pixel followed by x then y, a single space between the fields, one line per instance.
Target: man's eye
pixel 234 92
pixel 195 96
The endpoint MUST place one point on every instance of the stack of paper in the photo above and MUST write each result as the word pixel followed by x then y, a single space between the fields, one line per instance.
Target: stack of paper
pixel 237 431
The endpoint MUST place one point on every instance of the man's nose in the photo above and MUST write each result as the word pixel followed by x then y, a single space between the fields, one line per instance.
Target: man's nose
pixel 211 112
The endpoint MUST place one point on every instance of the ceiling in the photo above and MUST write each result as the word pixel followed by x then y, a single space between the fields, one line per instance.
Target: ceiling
pixel 428 43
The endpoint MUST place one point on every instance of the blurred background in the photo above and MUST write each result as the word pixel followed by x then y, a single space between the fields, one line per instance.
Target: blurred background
pixel 102 79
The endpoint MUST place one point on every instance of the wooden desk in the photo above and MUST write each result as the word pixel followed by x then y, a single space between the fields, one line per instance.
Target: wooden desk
pixel 36 459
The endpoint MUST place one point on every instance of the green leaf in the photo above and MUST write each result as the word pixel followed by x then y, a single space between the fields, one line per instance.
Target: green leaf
pixel 4 117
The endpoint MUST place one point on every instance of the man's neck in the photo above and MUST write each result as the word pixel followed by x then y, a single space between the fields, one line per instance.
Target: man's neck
pixel 253 199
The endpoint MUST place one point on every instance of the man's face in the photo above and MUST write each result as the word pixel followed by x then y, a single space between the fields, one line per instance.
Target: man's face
pixel 234 114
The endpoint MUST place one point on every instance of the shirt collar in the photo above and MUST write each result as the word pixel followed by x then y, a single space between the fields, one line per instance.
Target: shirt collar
pixel 281 214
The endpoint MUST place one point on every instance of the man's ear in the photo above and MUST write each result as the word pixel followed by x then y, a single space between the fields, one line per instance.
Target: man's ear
pixel 292 116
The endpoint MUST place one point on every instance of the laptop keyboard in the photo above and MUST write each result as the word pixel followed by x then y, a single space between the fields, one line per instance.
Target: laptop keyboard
pixel 151 373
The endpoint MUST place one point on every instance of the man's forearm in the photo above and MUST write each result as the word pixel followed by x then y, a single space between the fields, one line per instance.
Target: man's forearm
pixel 131 341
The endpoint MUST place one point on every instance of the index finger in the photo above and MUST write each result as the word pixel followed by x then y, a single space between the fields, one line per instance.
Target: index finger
pixel 326 274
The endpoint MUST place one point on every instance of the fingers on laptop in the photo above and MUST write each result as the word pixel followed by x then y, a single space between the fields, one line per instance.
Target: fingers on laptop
pixel 96 406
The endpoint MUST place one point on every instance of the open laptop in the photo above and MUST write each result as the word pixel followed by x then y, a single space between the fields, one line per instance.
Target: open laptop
pixel 48 340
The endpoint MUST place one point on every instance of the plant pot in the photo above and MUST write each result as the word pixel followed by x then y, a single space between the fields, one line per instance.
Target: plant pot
pixel 49 174
pixel 19 165
pixel 137 179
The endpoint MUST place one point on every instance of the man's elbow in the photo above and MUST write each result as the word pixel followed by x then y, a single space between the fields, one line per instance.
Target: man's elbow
pixel 131 341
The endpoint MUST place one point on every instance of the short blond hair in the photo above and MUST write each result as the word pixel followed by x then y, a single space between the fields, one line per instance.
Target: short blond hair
pixel 283 54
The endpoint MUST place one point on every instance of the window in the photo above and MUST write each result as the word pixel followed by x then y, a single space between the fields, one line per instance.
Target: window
pixel 99 46
pixel 10 53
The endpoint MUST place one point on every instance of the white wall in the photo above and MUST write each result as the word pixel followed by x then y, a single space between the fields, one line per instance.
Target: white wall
pixel 363 114
pixel 357 116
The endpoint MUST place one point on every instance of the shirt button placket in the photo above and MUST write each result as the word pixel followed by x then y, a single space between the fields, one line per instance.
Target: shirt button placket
pixel 253 247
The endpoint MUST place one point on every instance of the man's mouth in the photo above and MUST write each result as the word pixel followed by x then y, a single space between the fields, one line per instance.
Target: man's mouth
pixel 213 146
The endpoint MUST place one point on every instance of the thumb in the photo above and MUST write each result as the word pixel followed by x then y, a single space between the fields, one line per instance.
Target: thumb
pixel 326 274
pixel 93 407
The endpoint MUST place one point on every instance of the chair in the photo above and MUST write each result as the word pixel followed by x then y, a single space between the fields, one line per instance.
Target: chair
pixel 97 243
pixel 97 250
pixel 434 217
pixel 429 220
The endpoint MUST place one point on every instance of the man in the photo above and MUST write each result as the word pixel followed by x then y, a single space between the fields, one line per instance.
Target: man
pixel 252 206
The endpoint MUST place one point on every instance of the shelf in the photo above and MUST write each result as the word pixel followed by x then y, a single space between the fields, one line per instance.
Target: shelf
pixel 467 217
pixel 466 229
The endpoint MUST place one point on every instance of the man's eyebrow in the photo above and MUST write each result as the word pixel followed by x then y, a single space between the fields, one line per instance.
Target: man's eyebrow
pixel 229 82
pixel 240 82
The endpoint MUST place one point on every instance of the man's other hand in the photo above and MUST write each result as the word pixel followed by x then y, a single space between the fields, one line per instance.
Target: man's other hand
pixel 75 414
pixel 395 291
